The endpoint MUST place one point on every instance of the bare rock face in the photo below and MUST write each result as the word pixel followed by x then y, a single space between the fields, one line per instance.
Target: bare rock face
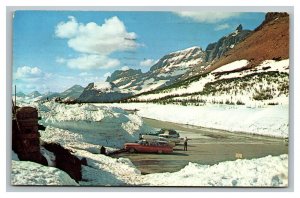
pixel 216 50
pixel 65 160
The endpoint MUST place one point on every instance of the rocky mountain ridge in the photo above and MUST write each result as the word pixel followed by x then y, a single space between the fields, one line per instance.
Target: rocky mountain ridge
pixel 176 66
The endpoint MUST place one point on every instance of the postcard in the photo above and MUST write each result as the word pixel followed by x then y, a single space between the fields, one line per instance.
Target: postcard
pixel 150 98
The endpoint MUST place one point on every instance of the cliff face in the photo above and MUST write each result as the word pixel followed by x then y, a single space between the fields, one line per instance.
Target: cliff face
pixel 218 49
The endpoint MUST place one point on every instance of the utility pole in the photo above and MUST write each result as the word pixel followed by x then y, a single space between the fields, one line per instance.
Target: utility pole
pixel 15 96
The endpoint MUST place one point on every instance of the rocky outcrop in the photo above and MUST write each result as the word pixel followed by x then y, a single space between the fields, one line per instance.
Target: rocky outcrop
pixel 270 16
pixel 218 49
pixel 65 161
pixel 25 135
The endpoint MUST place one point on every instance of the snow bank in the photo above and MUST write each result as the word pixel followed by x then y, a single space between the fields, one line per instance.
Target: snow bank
pixel 106 171
pixel 30 173
pixel 269 120
pixel 268 171
pixel 102 170
pixel 108 126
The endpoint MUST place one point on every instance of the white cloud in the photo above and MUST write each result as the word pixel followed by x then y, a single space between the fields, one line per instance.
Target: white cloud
pixel 96 42
pixel 67 29
pixel 27 72
pixel 147 62
pixel 125 68
pixel 222 27
pixel 207 17
pixel 92 61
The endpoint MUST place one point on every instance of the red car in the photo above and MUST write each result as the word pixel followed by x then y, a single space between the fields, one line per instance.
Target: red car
pixel 145 147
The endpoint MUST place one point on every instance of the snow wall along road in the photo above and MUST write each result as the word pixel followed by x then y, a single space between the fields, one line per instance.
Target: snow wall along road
pixel 108 126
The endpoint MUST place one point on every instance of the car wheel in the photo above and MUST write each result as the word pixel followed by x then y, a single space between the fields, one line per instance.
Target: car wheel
pixel 159 151
pixel 132 150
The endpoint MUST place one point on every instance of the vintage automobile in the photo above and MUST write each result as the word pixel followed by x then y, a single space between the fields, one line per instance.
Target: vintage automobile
pixel 153 138
pixel 144 146
pixel 171 138
pixel 169 132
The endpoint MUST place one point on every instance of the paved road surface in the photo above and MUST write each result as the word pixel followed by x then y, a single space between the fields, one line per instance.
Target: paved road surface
pixel 207 146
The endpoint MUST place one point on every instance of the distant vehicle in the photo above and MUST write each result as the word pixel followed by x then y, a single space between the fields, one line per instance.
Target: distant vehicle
pixel 153 138
pixel 144 146
pixel 170 133
pixel 171 138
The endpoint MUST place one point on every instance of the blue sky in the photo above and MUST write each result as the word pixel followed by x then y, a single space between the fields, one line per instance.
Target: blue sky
pixel 53 50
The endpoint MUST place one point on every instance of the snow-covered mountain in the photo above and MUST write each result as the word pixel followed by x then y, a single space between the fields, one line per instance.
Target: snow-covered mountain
pixel 166 71
pixel 72 93
pixel 34 94
pixel 102 92
pixel 254 72
pixel 176 66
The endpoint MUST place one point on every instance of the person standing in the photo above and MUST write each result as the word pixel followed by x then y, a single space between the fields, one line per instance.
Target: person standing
pixel 185 144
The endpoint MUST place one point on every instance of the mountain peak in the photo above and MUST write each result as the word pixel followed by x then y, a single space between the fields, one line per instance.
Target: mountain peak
pixel 187 50
pixel 239 28
pixel 34 94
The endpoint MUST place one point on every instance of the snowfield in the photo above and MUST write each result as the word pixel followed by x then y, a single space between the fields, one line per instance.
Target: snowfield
pixel 268 120
pixel 232 66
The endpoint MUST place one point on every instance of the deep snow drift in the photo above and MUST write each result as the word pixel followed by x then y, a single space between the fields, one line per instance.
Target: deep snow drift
pixel 30 173
pixel 266 171
pixel 108 126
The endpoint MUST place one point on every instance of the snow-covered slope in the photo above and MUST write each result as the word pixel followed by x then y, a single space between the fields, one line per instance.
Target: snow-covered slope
pixel 30 173
pixel 266 84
